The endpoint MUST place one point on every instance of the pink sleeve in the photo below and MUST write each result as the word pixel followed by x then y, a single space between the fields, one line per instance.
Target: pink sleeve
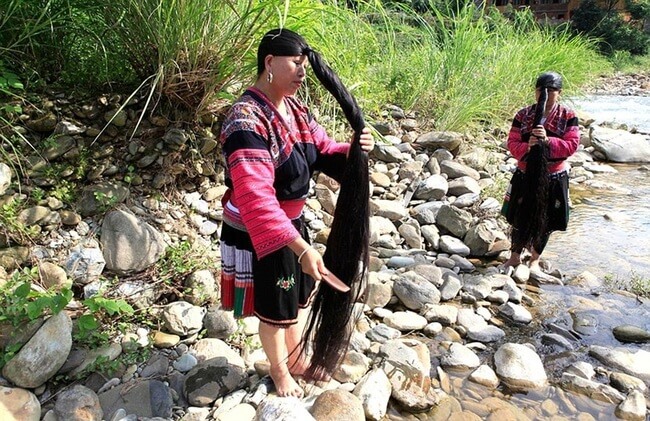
pixel 325 144
pixel 565 146
pixel 517 147
pixel 252 174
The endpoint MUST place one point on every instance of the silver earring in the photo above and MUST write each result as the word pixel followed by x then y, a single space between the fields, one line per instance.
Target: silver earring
pixel 269 77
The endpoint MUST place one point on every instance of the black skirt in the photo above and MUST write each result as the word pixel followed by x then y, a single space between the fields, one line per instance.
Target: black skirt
pixel 272 288
pixel 558 200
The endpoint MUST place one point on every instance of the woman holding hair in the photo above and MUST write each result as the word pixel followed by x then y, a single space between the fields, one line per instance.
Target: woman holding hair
pixel 272 146
pixel 542 137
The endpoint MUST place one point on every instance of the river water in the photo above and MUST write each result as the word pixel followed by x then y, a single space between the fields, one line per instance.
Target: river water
pixel 609 231
pixel 634 111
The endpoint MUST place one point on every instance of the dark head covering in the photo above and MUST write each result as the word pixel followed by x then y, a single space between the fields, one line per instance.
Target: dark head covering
pixel 549 80
pixel 280 42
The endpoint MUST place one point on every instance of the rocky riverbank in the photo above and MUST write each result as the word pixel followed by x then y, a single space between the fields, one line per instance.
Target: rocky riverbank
pixel 637 84
pixel 441 335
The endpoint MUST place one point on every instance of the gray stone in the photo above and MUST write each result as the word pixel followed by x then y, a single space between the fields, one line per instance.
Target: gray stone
pixel 635 363
pixel 40 358
pixel 415 292
pixel 212 379
pixel 633 407
pixel 454 220
pixel 129 244
pixel 338 404
pixel 630 333
pixel 282 409
pixel 594 390
pixel 144 398
pixel 78 403
pixel 374 391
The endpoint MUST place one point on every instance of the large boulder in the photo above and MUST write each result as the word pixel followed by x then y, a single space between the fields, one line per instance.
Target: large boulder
pixel 619 145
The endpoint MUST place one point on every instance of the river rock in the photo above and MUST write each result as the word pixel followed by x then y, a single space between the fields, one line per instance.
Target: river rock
pixel 635 363
pixel 212 379
pixel 183 318
pixel 626 383
pixel 448 141
pixel 282 409
pixel 5 177
pixel 337 404
pixel 630 333
pixel 219 323
pixel 432 188
pixel 129 244
pixel 78 403
pixel 620 145
pixel 96 198
pixel 18 405
pixel 374 391
pixel 633 407
pixel 144 398
pixel 352 368
pixel 592 389
pixel 415 291
pixel 85 264
pixel 40 358
pixel 485 376
pixel 519 367
pixel 460 357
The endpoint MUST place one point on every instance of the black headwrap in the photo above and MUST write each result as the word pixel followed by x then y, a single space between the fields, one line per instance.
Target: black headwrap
pixel 550 80
pixel 280 42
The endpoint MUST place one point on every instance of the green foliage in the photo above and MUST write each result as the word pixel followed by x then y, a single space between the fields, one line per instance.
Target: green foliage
pixel 20 303
pixel 609 28
pixel 9 84
pixel 96 327
pixel 105 201
pixel 180 260
pixel 62 40
pixel 635 284
pixel 8 353
pixel 639 9
pixel 11 226
pixel 189 50
pixel 450 60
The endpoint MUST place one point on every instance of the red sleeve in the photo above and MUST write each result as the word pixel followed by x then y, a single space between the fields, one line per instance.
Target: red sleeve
pixel 565 146
pixel 252 173
pixel 517 147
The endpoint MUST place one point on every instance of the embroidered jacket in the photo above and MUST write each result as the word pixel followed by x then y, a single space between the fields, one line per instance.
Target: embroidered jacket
pixel 269 163
pixel 561 129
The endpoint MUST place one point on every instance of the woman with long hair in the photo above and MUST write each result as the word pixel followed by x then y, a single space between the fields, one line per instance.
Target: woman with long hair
pixel 543 135
pixel 272 146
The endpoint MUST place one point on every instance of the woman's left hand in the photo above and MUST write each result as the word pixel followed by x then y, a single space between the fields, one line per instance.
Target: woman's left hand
pixel 366 140
pixel 540 133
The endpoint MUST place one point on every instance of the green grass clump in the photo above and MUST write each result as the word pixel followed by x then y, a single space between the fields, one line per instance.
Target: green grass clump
pixel 634 283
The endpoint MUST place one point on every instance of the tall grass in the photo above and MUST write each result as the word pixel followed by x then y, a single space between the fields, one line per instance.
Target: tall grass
pixel 461 67
pixel 485 65
pixel 195 48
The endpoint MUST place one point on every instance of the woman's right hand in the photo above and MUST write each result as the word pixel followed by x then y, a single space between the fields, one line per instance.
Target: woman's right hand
pixel 312 264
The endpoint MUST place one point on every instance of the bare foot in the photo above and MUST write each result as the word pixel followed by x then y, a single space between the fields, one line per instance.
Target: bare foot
pixel 513 261
pixel 285 385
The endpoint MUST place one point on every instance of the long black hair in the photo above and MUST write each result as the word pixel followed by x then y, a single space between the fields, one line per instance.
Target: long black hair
pixel 533 211
pixel 346 255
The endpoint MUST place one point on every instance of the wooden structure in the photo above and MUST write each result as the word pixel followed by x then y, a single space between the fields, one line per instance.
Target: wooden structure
pixel 550 10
